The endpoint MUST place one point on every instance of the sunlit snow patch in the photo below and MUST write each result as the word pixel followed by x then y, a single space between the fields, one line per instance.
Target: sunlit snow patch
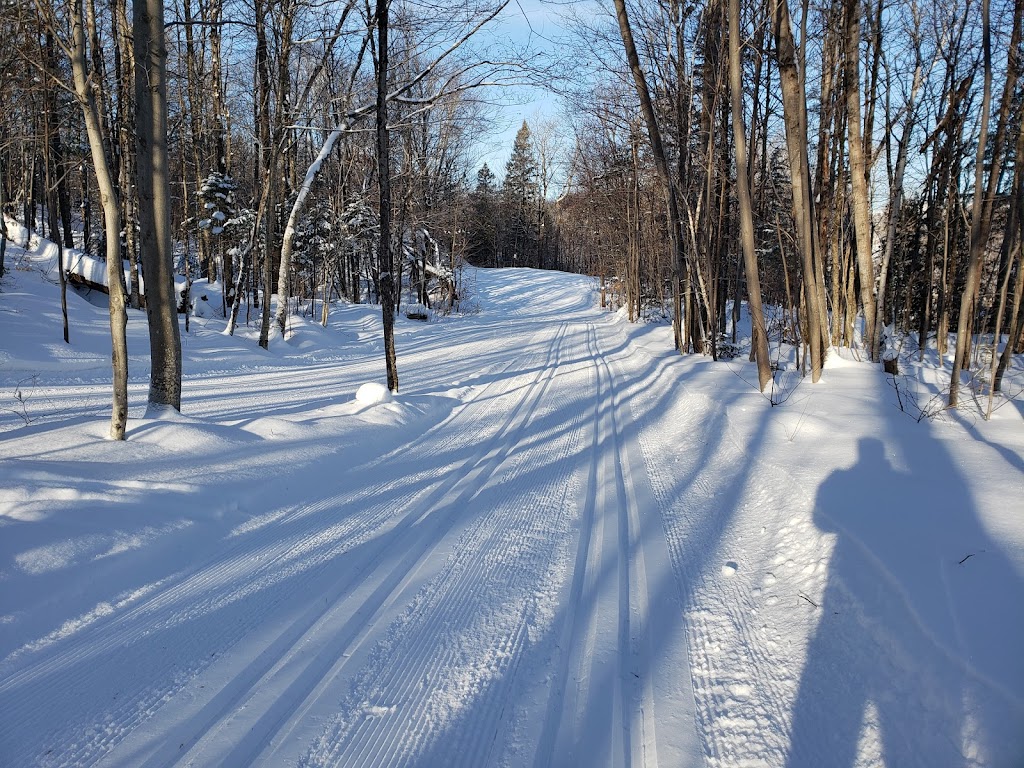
pixel 372 393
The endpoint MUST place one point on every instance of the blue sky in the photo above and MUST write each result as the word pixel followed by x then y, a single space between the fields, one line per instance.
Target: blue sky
pixel 526 22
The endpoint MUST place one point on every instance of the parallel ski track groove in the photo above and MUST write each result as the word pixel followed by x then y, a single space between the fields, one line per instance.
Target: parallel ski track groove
pixel 106 635
pixel 386 740
pixel 641 726
pixel 328 661
pixel 726 647
pixel 610 503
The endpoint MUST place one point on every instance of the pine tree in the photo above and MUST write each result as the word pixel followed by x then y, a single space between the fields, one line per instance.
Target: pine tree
pixel 483 227
pixel 519 194
pixel 217 194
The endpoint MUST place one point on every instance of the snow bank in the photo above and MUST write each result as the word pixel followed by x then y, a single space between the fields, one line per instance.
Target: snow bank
pixel 372 393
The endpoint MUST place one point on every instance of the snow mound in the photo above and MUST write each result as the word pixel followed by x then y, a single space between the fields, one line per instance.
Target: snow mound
pixel 372 393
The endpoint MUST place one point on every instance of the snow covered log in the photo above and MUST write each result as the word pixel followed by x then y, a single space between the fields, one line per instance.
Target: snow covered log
pixel 89 272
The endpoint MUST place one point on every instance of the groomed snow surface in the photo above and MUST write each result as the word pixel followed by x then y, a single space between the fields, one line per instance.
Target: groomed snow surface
pixel 561 544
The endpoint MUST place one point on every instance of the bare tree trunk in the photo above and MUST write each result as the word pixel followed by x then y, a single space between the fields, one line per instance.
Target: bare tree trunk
pixel 1015 236
pixel 760 336
pixel 793 106
pixel 661 162
pixel 3 218
pixel 84 91
pixel 52 168
pixel 124 49
pixel 981 210
pixel 268 167
pixel 243 273
pixel 385 258
pixel 154 187
pixel 896 194
pixel 214 14
pixel 51 206
pixel 861 198
pixel 1016 326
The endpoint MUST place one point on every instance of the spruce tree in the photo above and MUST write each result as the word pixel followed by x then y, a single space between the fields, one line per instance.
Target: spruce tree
pixel 483 228
pixel 519 194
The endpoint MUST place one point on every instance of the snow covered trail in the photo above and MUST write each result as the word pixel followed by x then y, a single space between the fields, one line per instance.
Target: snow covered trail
pixel 492 590
pixel 823 548
pixel 561 545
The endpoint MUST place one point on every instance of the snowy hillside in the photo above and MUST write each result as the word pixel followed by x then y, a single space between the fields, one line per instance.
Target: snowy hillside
pixel 561 544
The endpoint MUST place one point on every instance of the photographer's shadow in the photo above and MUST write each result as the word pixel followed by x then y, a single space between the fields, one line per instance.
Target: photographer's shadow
pixel 912 644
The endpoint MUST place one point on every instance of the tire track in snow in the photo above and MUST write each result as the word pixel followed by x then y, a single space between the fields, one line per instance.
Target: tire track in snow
pixel 259 560
pixel 434 661
pixel 606 630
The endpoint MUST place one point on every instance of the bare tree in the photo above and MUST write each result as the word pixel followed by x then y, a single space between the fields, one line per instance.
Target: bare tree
pixel 984 194
pixel 86 85
pixel 661 162
pixel 385 260
pixel 859 168
pixel 760 336
pixel 154 204
pixel 794 107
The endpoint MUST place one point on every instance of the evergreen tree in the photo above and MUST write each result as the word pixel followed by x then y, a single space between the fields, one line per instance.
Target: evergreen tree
pixel 483 226
pixel 217 194
pixel 519 195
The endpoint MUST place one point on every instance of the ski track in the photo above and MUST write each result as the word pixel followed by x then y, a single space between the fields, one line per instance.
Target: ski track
pixel 273 567
pixel 586 721
pixel 272 564
pixel 429 667
pixel 742 686
pixel 483 598
pixel 602 698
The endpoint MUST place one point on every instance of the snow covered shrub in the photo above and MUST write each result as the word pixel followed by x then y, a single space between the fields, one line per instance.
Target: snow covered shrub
pixel 727 350
pixel 889 344
pixel 218 196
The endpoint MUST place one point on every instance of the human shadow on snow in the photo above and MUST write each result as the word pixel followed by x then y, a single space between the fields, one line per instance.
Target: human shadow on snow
pixel 920 624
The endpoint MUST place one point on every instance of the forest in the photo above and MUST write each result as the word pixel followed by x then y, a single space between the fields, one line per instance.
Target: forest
pixel 851 172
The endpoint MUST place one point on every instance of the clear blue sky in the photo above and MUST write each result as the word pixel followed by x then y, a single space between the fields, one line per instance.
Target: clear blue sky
pixel 526 22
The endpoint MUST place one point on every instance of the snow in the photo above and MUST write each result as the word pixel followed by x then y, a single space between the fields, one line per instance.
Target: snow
pixel 561 544
pixel 372 393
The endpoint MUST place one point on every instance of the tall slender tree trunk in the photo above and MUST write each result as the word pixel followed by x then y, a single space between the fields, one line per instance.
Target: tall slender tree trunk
pixel 385 258
pixel 267 168
pixel 1015 235
pixel 861 198
pixel 84 91
pixel 50 159
pixel 984 197
pixel 661 163
pixel 793 106
pixel 154 204
pixel 124 59
pixel 896 195
pixel 215 13
pixel 3 216
pixel 760 336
